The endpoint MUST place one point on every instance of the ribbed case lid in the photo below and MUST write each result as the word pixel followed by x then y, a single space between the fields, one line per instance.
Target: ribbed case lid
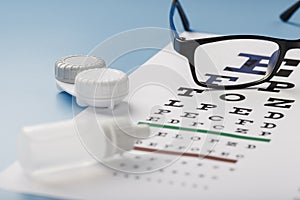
pixel 104 83
pixel 67 68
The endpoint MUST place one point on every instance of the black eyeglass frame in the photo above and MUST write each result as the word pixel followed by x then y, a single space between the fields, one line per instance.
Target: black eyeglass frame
pixel 187 48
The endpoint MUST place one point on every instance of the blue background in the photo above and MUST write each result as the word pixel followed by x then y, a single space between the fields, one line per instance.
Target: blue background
pixel 35 33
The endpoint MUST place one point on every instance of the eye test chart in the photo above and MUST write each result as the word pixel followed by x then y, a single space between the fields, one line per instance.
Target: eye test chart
pixel 204 144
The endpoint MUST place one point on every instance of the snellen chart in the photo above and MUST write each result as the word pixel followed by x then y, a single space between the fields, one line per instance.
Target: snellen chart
pixel 196 141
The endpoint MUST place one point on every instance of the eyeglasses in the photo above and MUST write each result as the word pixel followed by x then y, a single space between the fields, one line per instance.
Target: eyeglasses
pixel 231 62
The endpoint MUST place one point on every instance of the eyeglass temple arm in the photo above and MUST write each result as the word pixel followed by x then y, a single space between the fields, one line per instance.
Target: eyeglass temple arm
pixel 183 17
pixel 286 15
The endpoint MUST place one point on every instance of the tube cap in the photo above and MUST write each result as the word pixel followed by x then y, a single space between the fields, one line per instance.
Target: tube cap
pixel 67 68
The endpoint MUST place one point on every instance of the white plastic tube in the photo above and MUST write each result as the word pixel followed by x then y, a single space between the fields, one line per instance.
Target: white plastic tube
pixel 51 147
pixel 56 147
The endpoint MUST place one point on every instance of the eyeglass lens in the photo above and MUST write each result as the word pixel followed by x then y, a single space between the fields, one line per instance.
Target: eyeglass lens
pixel 236 61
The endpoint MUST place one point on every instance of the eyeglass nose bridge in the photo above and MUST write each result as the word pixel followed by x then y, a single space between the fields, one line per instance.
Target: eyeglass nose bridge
pixel 290 44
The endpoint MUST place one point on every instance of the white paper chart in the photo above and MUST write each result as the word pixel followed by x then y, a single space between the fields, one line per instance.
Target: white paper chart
pixel 209 144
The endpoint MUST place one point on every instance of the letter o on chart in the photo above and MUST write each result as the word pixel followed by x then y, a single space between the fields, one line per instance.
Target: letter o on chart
pixel 232 97
pixel 218 127
pixel 216 118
